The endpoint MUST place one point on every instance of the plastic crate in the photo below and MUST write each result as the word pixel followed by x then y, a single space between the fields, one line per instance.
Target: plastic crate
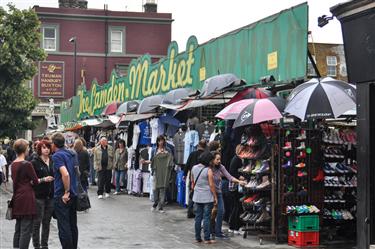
pixel 302 239
pixel 305 223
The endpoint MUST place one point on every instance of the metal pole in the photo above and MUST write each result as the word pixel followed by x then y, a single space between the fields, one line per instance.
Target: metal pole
pixel 75 67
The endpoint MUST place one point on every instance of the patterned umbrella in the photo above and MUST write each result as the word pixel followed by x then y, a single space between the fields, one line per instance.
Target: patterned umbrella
pixel 260 110
pixel 251 93
pixel 321 98
pixel 233 110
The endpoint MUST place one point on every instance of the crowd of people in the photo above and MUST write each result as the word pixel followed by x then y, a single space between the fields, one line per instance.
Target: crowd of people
pixel 45 176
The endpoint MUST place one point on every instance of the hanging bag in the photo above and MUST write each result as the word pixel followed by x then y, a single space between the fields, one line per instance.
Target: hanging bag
pixel 83 201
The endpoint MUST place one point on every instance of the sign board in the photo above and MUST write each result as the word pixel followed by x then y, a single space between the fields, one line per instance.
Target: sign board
pixel 51 79
pixel 276 45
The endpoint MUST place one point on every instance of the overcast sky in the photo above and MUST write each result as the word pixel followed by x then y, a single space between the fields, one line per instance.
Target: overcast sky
pixel 207 19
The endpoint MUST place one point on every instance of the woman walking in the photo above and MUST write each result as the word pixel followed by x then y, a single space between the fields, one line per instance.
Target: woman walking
pixel 121 165
pixel 83 161
pixel 24 207
pixel 219 171
pixel 204 196
pixel 43 167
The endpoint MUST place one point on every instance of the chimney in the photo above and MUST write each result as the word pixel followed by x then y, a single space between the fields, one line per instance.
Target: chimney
pixel 75 4
pixel 151 6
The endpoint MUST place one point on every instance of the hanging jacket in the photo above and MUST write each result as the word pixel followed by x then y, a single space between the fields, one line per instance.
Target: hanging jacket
pixel 161 165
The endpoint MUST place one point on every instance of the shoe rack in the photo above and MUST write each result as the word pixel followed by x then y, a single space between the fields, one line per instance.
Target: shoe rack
pixel 299 182
pixel 259 198
pixel 340 182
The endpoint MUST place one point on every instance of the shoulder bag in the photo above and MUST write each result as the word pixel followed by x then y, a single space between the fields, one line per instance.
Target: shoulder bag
pixel 195 183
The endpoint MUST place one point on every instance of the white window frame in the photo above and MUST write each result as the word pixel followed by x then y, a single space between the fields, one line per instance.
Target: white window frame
pixel 331 63
pixel 121 50
pixel 112 29
pixel 55 39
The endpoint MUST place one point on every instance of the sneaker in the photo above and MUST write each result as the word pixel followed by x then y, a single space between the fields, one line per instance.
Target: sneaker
pixel 288 164
pixel 300 165
pixel 319 177
pixel 100 196
pixel 106 195
pixel 264 217
pixel 302 136
pixel 161 211
pixel 153 209
pixel 264 168
pixel 302 146
pixel 258 165
pixel 116 193
pixel 302 155
pixel 222 237
pixel 288 146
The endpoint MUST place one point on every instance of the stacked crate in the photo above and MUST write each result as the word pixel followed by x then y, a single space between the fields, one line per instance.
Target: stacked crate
pixel 303 230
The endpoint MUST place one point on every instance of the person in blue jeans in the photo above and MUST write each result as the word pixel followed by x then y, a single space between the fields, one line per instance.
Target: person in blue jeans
pixel 204 196
pixel 120 165
pixel 65 192
pixel 218 172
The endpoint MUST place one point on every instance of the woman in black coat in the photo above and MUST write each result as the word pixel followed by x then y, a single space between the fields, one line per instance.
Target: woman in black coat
pixel 83 161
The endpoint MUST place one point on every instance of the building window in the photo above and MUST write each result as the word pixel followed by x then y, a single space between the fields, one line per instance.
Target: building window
pixel 116 41
pixel 331 66
pixel 49 38
pixel 122 70
pixel 310 68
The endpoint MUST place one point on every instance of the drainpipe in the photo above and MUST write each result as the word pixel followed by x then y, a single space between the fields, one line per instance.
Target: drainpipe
pixel 106 42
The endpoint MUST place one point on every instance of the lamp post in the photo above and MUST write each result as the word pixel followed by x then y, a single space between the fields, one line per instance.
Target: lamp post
pixel 74 41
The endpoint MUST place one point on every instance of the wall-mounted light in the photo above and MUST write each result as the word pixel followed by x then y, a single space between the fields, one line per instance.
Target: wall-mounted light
pixel 323 20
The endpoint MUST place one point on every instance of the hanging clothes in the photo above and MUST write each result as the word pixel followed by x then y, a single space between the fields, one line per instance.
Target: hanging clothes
pixel 178 141
pixel 191 141
pixel 136 132
pixel 145 133
pixel 154 123
pixel 161 165
pixel 205 130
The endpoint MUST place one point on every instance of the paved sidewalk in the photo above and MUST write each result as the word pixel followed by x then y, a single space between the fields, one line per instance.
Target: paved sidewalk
pixel 126 221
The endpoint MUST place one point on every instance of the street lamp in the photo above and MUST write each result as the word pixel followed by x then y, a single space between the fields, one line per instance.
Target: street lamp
pixel 74 40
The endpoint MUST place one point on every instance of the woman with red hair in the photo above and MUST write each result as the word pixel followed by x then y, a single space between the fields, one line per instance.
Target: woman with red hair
pixel 43 167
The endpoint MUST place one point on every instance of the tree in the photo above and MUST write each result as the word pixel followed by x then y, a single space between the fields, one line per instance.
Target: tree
pixel 19 53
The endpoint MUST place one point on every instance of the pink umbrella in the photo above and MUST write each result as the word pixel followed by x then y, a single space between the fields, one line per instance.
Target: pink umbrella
pixel 233 110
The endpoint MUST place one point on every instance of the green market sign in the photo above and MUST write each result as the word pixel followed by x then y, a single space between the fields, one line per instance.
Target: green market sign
pixel 276 45
pixel 144 79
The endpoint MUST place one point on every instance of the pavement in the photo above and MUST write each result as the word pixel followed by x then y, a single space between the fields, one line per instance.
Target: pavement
pixel 125 221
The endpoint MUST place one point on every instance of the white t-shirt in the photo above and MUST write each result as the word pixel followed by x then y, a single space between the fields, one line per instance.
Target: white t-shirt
pixel 136 132
pixel 3 162
pixel 154 123
pixel 130 156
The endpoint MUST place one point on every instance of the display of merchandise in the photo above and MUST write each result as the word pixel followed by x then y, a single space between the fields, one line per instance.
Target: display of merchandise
pixel 339 176
pixel 145 133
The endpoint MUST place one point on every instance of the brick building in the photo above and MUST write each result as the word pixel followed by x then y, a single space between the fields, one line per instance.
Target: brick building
pixel 330 60
pixel 102 39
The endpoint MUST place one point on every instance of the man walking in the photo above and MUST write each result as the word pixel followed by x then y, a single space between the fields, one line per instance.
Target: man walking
pixel 65 192
pixel 103 164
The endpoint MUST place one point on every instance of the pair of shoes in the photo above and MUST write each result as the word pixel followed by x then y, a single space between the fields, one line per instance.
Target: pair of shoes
pixel 100 196
pixel 106 195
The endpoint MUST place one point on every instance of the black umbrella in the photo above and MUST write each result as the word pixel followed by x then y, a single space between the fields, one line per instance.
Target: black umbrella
pixel 175 96
pixel 128 106
pixel 220 82
pixel 321 98
pixel 260 110
pixel 149 104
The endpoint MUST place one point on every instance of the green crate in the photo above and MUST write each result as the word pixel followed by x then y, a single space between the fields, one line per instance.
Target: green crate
pixel 304 223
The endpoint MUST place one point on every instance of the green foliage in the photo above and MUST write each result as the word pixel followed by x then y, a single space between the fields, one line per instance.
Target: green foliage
pixel 19 53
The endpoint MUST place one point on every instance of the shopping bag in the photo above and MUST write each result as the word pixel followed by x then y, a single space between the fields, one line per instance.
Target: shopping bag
pixel 8 214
